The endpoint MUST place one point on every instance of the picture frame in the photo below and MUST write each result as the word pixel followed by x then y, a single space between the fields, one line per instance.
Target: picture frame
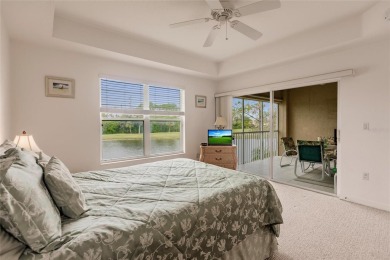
pixel 200 101
pixel 59 87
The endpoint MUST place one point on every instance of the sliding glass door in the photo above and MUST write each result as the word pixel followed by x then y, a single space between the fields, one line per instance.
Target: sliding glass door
pixel 252 125
pixel 267 126
pixel 307 150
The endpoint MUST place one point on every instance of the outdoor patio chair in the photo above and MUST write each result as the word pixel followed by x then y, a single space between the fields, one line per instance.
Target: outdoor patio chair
pixel 290 150
pixel 312 152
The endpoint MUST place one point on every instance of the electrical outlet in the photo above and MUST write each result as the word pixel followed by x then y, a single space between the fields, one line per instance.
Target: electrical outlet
pixel 366 126
pixel 366 176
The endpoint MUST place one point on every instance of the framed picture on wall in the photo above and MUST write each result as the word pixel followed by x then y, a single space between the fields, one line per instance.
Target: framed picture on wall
pixel 59 87
pixel 200 101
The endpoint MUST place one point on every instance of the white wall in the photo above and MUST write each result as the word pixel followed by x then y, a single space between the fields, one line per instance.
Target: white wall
pixel 70 128
pixel 5 86
pixel 362 98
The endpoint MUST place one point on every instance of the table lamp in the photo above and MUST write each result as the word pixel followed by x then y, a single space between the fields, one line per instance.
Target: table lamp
pixel 220 123
pixel 27 142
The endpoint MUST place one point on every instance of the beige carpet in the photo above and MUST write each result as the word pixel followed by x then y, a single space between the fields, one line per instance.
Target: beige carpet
pixel 317 226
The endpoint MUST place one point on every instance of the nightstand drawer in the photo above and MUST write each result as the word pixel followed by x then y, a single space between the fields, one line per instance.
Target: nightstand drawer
pixel 220 158
pixel 218 150
pixel 223 156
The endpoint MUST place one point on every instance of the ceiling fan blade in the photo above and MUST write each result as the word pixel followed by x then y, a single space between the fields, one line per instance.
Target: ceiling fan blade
pixel 212 35
pixel 180 24
pixel 214 4
pixel 257 7
pixel 227 4
pixel 245 30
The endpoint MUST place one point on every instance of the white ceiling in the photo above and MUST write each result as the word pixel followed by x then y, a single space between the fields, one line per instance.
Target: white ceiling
pixel 149 19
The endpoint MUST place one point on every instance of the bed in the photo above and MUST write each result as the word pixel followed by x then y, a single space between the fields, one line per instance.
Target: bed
pixel 172 209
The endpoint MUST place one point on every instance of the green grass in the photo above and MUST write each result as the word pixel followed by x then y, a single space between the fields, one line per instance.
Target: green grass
pixel 118 137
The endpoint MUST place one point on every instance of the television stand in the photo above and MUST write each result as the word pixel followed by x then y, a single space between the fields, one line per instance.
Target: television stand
pixel 223 156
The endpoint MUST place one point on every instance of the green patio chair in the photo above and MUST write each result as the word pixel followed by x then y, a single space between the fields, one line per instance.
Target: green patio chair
pixel 312 152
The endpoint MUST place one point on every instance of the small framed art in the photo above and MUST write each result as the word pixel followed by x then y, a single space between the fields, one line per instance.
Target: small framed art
pixel 200 101
pixel 59 87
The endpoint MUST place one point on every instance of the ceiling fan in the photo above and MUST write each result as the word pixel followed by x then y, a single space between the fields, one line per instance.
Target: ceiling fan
pixel 223 11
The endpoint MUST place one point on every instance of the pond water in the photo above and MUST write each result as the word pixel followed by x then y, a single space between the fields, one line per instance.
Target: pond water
pixel 116 149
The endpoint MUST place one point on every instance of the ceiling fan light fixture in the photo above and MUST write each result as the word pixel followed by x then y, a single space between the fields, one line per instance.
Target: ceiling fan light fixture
pixel 223 11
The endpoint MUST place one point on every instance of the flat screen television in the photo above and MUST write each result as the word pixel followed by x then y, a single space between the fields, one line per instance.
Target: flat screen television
pixel 220 137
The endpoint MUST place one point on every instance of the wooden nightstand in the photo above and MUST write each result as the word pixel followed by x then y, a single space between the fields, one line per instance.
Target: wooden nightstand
pixel 224 156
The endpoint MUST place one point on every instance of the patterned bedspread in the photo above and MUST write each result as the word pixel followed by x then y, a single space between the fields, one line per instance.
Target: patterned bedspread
pixel 173 209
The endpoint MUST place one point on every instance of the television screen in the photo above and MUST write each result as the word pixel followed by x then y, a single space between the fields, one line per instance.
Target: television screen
pixel 220 137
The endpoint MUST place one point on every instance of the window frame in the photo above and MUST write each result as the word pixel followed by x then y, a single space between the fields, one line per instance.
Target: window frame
pixel 146 113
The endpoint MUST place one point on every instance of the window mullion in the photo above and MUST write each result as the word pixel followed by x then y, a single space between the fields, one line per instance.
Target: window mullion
pixel 182 133
pixel 146 97
pixel 182 101
pixel 147 134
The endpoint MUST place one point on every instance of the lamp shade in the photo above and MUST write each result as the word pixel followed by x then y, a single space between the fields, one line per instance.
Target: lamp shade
pixel 27 142
pixel 220 123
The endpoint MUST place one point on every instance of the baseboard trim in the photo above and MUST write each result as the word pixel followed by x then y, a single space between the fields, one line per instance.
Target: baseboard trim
pixel 368 203
pixel 301 187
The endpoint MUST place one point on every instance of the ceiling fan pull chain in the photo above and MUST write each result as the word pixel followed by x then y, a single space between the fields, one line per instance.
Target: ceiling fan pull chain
pixel 226 23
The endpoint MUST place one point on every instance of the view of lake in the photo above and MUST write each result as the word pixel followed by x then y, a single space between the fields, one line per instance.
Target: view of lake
pixel 116 149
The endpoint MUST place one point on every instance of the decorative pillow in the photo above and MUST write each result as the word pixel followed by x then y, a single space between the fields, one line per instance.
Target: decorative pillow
pixel 7 144
pixel 64 190
pixel 26 209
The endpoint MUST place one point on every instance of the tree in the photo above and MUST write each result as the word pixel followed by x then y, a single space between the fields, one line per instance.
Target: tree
pixel 254 115
pixel 163 107
pixel 246 117
pixel 110 127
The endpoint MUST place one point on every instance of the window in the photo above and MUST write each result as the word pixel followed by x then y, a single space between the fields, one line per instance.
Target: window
pixel 250 115
pixel 252 126
pixel 140 120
